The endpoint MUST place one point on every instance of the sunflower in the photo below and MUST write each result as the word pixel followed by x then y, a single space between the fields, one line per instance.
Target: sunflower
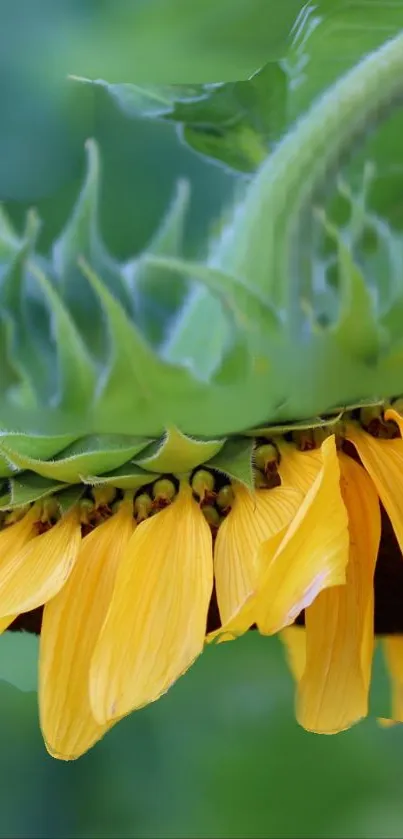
pixel 352 485
pixel 174 460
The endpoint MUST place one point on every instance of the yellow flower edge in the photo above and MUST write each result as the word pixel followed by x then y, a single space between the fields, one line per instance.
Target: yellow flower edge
pixel 129 584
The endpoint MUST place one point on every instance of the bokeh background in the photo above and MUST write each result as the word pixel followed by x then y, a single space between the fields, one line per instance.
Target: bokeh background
pixel 221 754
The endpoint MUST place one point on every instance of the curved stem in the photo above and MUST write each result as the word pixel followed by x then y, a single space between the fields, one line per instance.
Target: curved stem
pixel 259 245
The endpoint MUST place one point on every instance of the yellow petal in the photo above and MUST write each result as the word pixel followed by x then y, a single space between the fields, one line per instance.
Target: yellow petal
pixel 71 625
pixel 5 622
pixel 253 519
pixel 393 652
pixel 298 469
pixel 156 625
pixel 294 640
pixel 31 575
pixel 383 460
pixel 313 554
pixel 15 536
pixel 333 692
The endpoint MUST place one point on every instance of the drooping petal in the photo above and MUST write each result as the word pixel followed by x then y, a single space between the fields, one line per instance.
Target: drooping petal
pixel 71 625
pixel 333 691
pixel 33 574
pixel 298 469
pixel 294 640
pixel 393 652
pixel 383 460
pixel 313 554
pixel 156 624
pixel 253 519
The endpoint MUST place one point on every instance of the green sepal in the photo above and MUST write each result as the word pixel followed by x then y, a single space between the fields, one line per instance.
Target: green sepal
pixel 81 239
pixel 236 461
pixel 92 454
pixel 6 468
pixel 157 302
pixel 178 453
pixel 303 425
pixel 68 498
pixel 153 384
pixel 128 476
pixel 40 448
pixel 76 374
pixel 356 328
pixel 29 487
pixel 246 305
pixel 25 368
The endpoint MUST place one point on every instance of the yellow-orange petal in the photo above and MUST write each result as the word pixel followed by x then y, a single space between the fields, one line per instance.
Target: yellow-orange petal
pixel 298 469
pixel 393 652
pixel 311 556
pixel 383 460
pixel 71 625
pixel 294 640
pixel 156 624
pixel 333 691
pixel 33 574
pixel 253 519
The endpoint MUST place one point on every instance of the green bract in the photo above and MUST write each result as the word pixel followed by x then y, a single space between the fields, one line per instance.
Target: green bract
pixel 114 372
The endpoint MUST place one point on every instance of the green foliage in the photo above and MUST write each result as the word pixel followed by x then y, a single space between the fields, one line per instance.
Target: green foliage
pixel 84 333
pixel 234 122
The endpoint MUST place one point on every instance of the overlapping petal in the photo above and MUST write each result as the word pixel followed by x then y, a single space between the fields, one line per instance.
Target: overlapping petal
pixel 333 689
pixel 311 556
pixel 71 625
pixel 33 570
pixel 254 518
pixel 298 469
pixel 156 624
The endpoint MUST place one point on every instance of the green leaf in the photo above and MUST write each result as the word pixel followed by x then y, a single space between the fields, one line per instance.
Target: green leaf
pixel 233 122
pixel 235 460
pixel 90 455
pixel 178 453
pixel 152 101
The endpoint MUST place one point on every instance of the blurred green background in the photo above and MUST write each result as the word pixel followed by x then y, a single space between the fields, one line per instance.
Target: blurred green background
pixel 220 755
